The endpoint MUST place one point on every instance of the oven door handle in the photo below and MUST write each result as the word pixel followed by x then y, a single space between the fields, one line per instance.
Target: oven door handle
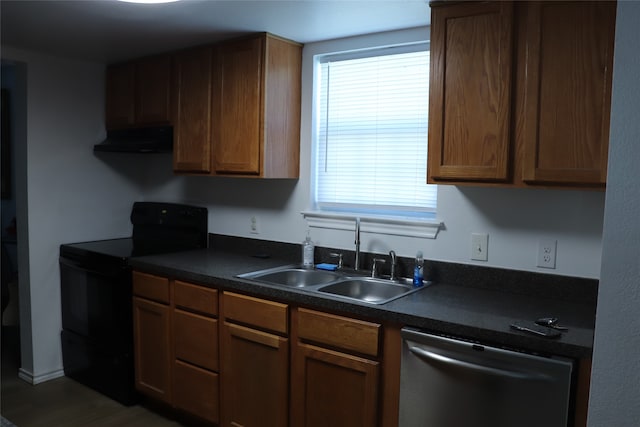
pixel 78 265
pixel 74 264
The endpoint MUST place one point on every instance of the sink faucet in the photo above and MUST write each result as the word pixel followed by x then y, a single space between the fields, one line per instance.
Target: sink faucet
pixel 392 255
pixel 356 264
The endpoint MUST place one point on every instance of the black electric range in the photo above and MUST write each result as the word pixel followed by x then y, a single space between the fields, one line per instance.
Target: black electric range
pixel 96 294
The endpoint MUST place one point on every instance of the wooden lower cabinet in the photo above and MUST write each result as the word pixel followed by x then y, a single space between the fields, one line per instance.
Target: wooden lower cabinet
pixel 583 383
pixel 335 389
pixel 195 377
pixel 195 351
pixel 336 371
pixel 176 344
pixel 255 378
pixel 237 368
pixel 255 362
pixel 151 323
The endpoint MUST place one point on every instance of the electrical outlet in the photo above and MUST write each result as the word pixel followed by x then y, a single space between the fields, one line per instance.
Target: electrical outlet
pixel 254 225
pixel 479 246
pixel 547 253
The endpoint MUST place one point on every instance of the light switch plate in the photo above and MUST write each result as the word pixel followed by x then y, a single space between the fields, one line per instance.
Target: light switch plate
pixel 479 246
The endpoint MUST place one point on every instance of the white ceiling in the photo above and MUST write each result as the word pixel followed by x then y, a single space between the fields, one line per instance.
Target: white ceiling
pixel 111 30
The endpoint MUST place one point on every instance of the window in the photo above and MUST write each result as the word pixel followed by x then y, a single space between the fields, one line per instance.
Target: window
pixel 371 133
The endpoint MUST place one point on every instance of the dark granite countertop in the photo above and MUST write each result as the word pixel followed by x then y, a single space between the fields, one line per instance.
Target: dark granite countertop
pixel 476 313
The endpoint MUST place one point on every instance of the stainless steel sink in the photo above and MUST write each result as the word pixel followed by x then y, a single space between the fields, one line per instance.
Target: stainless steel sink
pixel 338 284
pixel 374 291
pixel 293 277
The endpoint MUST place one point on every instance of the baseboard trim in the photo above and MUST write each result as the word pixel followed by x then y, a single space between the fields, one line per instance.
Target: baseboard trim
pixel 37 379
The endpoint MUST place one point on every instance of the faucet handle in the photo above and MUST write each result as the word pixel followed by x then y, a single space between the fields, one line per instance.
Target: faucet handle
pixel 394 263
pixel 339 256
pixel 374 266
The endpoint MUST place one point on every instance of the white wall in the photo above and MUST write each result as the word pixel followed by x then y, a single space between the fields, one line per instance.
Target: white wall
pixel 65 193
pixel 515 219
pixel 615 380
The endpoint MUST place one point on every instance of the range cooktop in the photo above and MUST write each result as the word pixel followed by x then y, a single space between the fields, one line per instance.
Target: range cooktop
pixel 119 248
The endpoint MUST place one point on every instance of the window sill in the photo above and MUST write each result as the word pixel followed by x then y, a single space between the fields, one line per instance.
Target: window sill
pixel 408 227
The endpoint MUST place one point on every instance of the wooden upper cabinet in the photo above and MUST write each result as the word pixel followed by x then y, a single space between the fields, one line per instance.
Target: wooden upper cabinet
pixel 470 98
pixel 153 90
pixel 120 95
pixel 237 106
pixel 568 91
pixel 234 106
pixel 521 93
pixel 192 115
pixel 256 107
pixel 138 93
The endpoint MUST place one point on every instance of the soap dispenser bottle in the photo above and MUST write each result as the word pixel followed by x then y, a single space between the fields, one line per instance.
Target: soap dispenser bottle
pixel 418 270
pixel 307 252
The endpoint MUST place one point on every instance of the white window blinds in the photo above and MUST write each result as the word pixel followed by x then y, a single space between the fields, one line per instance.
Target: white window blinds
pixel 371 135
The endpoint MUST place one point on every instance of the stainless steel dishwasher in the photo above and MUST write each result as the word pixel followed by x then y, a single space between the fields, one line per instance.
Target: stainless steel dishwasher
pixel 447 382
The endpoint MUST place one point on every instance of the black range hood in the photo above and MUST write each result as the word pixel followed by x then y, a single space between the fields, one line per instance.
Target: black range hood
pixel 139 140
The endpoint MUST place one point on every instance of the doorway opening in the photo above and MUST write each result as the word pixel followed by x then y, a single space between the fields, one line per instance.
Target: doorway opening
pixel 12 170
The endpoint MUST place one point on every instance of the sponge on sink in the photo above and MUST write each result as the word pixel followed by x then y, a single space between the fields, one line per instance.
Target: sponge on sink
pixel 325 266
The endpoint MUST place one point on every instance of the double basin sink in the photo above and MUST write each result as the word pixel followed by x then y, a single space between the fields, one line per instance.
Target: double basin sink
pixel 336 283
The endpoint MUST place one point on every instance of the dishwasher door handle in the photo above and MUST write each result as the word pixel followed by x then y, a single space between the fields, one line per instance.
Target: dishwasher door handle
pixel 430 356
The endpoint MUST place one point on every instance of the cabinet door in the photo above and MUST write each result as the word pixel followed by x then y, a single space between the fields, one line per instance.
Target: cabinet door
pixel 120 95
pixel 470 98
pixel 254 378
pixel 333 389
pixel 153 84
pixel 151 329
pixel 281 93
pixel 568 91
pixel 192 116
pixel 238 106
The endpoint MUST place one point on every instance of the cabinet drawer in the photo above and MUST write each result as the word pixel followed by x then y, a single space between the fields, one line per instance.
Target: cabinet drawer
pixel 196 391
pixel 257 312
pixel 340 332
pixel 196 339
pixel 197 298
pixel 151 287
